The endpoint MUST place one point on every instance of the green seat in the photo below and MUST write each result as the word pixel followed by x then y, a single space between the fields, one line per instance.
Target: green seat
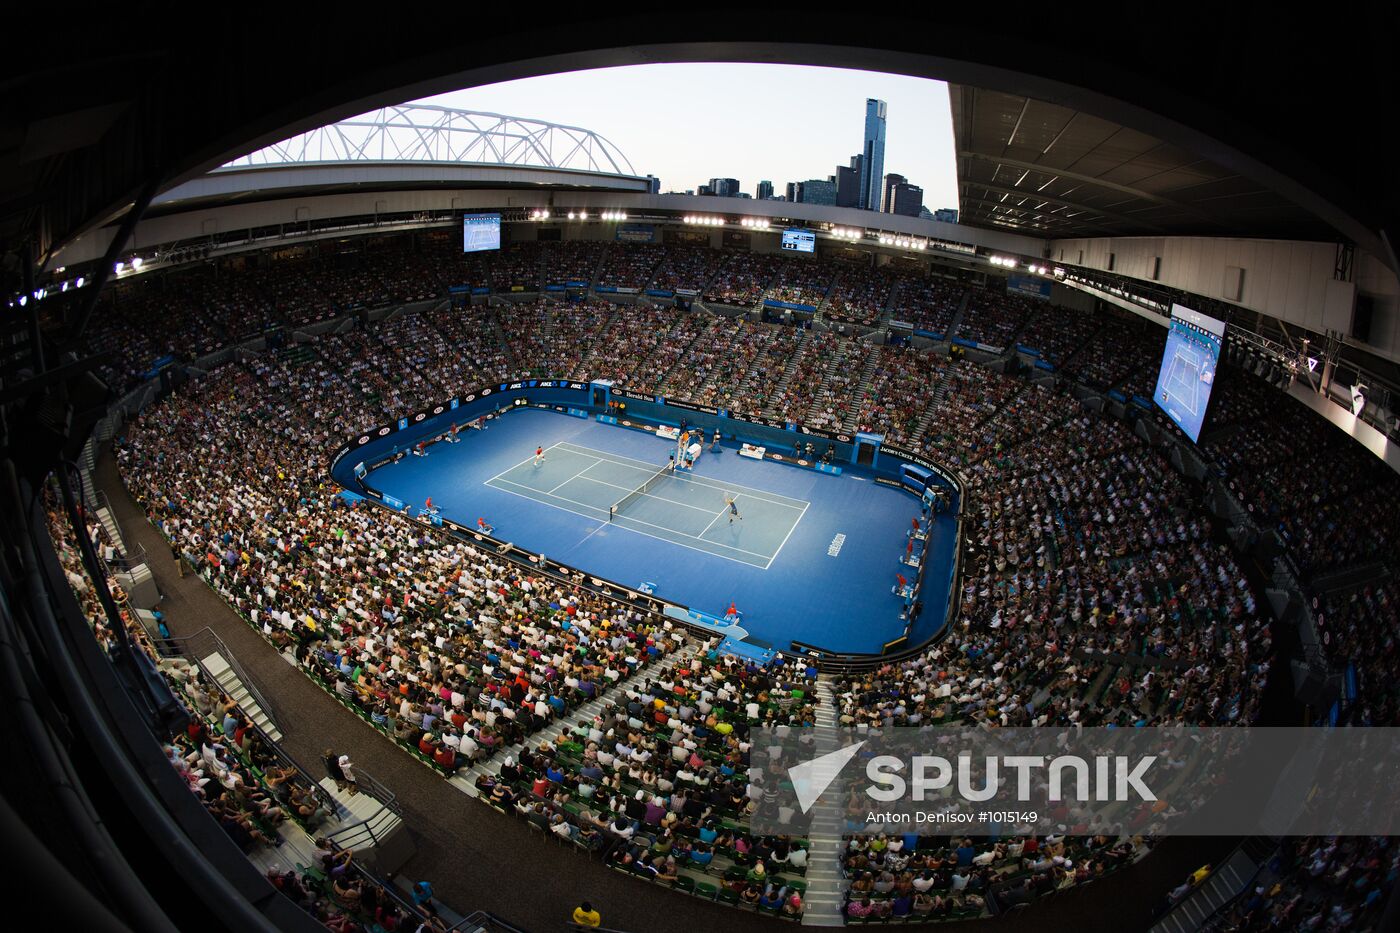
pixel 706 890
pixel 726 896
pixel 684 883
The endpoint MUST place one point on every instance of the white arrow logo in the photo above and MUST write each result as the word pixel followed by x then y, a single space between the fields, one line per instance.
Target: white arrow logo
pixel 811 779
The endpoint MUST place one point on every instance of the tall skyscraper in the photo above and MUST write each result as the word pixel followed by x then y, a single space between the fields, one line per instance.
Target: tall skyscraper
pixel 725 187
pixel 949 215
pixel 848 183
pixel 655 184
pixel 872 166
pixel 765 190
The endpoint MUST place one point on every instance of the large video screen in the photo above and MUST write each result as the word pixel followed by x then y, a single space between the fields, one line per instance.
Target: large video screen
pixel 1188 368
pixel 481 232
pixel 798 240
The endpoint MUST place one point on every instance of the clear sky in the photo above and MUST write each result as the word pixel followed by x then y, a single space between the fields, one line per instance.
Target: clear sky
pixel 688 123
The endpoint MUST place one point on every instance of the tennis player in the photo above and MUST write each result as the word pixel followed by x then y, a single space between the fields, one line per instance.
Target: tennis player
pixel 539 455
pixel 714 441
pixel 733 510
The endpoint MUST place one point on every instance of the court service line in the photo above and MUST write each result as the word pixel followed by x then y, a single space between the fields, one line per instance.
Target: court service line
pixel 785 540
pixel 578 475
pixel 772 498
pixel 727 547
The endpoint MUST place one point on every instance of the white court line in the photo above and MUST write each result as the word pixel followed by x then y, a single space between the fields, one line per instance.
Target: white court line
pixel 785 540
pixel 525 461
pixel 771 498
pixel 715 519
pixel 534 498
pixel 578 475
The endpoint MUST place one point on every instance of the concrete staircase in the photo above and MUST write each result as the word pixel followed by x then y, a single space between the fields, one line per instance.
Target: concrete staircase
pixel 822 305
pixel 464 780
pixel 940 394
pixel 957 320
pixel 826 882
pixel 216 666
pixel 586 364
pixel 872 358
pixel 512 359
pixel 1235 876
pixel 791 368
pixel 360 820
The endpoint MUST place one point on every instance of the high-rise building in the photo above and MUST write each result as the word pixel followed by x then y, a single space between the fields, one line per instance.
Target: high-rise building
pixel 872 165
pixel 887 191
pixel 705 189
pixel 724 187
pixel 848 183
pixel 655 184
pixel 816 191
pixel 949 215
pixel 813 191
pixel 905 199
pixel 765 190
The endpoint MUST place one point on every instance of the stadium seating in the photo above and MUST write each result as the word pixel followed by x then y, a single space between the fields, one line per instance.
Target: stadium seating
pixel 1095 589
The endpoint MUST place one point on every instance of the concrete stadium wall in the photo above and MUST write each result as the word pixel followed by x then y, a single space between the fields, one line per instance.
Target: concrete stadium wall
pixel 1290 280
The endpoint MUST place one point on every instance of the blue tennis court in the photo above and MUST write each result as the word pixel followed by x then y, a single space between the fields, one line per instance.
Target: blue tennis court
pixel 689 510
pixel 812 558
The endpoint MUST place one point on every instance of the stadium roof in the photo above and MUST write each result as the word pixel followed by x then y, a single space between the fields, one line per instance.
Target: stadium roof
pixel 104 110
pixel 1047 169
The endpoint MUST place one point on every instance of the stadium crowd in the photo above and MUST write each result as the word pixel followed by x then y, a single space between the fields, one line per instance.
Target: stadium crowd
pixel 1095 590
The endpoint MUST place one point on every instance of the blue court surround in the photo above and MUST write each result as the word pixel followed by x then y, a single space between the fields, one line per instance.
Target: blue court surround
pixel 841 602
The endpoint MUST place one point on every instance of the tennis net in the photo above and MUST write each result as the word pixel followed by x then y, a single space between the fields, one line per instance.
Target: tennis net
pixel 651 483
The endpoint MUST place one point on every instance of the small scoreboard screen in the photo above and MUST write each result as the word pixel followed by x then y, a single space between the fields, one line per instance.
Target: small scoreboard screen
pixel 481 232
pixel 797 240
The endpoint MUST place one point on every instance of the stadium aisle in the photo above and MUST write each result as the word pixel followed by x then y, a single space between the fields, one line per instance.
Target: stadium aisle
pixel 468 850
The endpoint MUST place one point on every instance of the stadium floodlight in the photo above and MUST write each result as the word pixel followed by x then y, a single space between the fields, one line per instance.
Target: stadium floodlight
pixel 136 262
pixel 81 281
pixel 119 268
pixel 23 300
pixel 583 215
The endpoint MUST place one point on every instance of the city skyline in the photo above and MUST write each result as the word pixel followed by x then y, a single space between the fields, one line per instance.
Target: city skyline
pixel 783 123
